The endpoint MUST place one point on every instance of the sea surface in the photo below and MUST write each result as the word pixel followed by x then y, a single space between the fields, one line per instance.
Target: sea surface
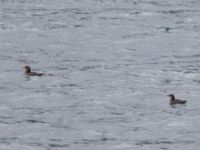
pixel 109 66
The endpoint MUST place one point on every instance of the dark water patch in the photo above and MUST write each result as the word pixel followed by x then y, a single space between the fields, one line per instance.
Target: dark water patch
pixel 171 62
pixel 55 140
pixel 87 68
pixel 10 87
pixel 190 63
pixel 62 67
pixel 41 50
pixel 95 60
pixel 120 19
pixel 55 145
pixel 73 13
pixel 157 142
pixel 69 85
pixel 32 110
pixel 165 29
pixel 164 148
pixel 72 60
pixel 62 12
pixel 86 141
pixel 179 56
pixel 49 75
pixel 79 12
pixel 196 81
pixel 131 49
pixel 136 13
pixel 36 144
pixel 7 141
pixel 5 117
pixel 55 12
pixel 7 122
pixel 4 57
pixel 61 126
pixel 131 2
pixel 136 35
pixel 195 56
pixel 2 88
pixel 166 81
pixel 108 120
pixel 190 71
pixel 155 3
pixel 117 20
pixel 135 129
pixel 177 108
pixel 4 26
pixel 107 139
pixel 32 121
pixel 78 105
pixel 102 140
pixel 135 106
pixel 53 26
pixel 196 28
pixel 26 61
pixel 179 22
pixel 138 129
pixel 16 1
pixel 118 10
pixel 78 26
pixel 103 18
pixel 88 18
pixel 172 69
pixel 177 11
pixel 116 113
pixel 62 85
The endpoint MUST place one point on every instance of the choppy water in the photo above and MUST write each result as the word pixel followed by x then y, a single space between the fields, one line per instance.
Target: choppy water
pixel 109 65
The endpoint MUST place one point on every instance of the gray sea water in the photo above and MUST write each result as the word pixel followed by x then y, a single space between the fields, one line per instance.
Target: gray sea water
pixel 108 65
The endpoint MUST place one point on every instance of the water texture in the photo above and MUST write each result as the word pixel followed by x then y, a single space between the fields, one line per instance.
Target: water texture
pixel 108 65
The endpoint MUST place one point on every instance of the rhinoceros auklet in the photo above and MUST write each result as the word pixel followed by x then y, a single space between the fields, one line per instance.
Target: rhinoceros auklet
pixel 28 72
pixel 174 101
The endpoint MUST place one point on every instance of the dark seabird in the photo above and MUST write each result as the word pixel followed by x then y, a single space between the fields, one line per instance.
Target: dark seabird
pixel 174 101
pixel 28 72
